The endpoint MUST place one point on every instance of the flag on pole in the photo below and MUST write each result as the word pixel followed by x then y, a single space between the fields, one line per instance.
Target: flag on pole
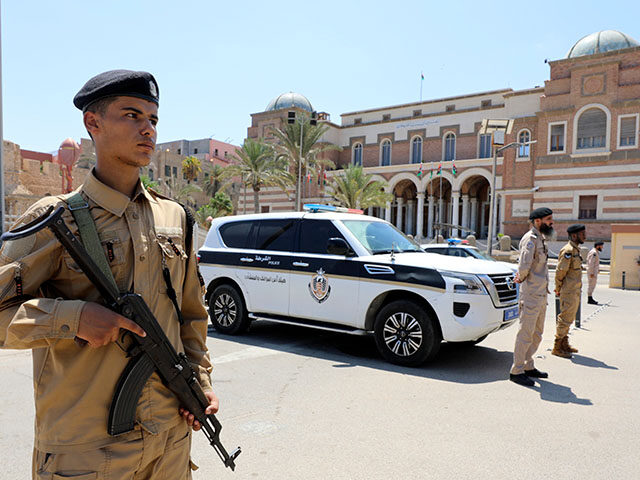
pixel 324 180
pixel 453 168
pixel 309 177
pixel 421 76
pixel 440 169
pixel 420 171
pixel 430 170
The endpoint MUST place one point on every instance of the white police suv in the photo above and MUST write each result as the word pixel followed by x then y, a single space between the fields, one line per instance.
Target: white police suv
pixel 350 273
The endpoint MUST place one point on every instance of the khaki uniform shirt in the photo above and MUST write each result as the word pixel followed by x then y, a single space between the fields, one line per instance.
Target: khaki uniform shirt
pixel 532 264
pixel 569 269
pixel 74 386
pixel 593 262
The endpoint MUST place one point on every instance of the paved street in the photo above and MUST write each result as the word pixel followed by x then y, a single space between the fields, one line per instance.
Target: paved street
pixel 305 404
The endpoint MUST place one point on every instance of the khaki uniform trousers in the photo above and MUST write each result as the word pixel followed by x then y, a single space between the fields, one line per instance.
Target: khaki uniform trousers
pixel 157 457
pixel 532 311
pixel 569 303
pixel 592 284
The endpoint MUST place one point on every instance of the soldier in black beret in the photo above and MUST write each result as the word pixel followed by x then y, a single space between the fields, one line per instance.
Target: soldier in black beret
pixel 568 288
pixel 593 268
pixel 50 303
pixel 533 277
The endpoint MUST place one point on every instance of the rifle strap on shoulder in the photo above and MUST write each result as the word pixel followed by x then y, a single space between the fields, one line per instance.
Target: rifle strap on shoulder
pixel 88 234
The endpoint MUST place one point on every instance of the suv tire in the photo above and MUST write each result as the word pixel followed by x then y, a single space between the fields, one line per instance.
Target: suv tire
pixel 227 311
pixel 405 334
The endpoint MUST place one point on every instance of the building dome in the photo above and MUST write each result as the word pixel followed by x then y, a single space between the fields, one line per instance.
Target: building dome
pixel 600 42
pixel 69 143
pixel 288 100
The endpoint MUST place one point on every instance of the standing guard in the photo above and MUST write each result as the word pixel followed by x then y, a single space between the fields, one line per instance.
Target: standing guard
pixel 568 288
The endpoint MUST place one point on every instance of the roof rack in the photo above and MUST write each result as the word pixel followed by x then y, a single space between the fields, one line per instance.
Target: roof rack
pixel 318 207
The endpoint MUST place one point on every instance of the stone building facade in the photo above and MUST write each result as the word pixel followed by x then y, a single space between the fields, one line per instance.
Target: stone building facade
pixel 585 164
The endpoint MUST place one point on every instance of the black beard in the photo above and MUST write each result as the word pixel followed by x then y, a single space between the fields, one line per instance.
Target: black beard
pixel 546 229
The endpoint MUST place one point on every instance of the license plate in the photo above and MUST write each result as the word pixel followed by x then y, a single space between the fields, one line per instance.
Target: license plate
pixel 511 313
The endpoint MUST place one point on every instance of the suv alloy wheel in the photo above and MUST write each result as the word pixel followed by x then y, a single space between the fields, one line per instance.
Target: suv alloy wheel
pixel 405 334
pixel 227 311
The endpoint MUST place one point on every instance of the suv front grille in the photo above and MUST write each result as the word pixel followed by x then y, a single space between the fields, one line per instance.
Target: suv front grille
pixel 506 289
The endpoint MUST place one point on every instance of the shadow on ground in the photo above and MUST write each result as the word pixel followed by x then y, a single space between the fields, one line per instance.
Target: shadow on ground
pixel 454 363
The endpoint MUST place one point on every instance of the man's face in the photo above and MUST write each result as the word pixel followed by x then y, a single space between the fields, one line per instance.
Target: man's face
pixel 578 237
pixel 126 132
pixel 599 248
pixel 544 224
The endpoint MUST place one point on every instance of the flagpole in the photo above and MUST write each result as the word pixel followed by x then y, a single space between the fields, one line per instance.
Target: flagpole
pixel 421 81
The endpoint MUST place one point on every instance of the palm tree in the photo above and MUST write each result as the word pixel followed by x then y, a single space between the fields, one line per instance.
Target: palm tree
pixel 191 167
pixel 256 164
pixel 148 183
pixel 353 188
pixel 288 147
pixel 216 180
pixel 219 206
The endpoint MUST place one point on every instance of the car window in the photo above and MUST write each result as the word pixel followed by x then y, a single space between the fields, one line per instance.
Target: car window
pixel 440 251
pixel 314 235
pixel 236 234
pixel 380 237
pixel 275 235
pixel 458 252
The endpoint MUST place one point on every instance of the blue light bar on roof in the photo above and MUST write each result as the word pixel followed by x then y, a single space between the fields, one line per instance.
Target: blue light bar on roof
pixel 318 207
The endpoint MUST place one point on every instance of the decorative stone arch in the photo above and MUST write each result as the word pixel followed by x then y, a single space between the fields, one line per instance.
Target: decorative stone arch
pixel 424 183
pixel 576 118
pixel 396 179
pixel 380 178
pixel 471 172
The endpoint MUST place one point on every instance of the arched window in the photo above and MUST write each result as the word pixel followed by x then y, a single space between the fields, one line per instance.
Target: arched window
pixel 385 153
pixel 449 146
pixel 416 150
pixel 592 129
pixel 523 137
pixel 357 154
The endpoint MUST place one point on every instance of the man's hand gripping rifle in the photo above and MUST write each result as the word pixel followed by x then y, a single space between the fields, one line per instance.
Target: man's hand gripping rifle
pixel 152 353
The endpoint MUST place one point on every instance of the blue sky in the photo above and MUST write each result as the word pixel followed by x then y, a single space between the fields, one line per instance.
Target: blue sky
pixel 218 62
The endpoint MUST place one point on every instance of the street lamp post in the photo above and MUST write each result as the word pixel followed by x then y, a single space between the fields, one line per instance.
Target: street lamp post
pixel 492 204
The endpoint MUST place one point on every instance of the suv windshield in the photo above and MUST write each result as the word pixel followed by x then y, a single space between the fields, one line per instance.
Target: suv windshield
pixel 380 237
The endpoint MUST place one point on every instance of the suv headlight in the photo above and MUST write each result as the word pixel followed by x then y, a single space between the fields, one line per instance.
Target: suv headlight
pixel 467 283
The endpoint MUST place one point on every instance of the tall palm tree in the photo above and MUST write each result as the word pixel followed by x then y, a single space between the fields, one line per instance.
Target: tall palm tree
pixel 256 164
pixel 216 180
pixel 353 188
pixel 287 146
pixel 191 167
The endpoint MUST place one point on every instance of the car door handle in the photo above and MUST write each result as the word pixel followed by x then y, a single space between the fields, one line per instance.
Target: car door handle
pixel 246 259
pixel 300 264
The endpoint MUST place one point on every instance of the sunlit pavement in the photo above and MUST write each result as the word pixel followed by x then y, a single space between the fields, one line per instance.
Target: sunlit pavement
pixel 305 404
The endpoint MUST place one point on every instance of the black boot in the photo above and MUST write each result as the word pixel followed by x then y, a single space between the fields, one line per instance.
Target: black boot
pixel 591 301
pixel 521 379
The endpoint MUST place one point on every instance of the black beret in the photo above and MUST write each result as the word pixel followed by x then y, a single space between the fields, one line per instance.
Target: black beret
pixel 575 228
pixel 540 213
pixel 118 83
pixel 598 244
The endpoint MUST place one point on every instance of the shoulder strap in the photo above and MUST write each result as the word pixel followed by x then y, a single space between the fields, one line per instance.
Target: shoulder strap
pixel 88 234
pixel 188 239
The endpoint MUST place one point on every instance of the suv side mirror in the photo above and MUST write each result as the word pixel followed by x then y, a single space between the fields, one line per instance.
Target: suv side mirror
pixel 338 246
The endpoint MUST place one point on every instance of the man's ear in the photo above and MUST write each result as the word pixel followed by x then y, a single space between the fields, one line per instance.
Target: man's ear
pixel 91 122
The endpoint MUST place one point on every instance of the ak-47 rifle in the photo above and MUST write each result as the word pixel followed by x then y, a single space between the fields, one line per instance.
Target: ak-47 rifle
pixel 152 353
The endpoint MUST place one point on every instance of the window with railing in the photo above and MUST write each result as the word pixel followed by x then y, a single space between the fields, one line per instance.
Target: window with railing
pixel 592 129
pixel 587 206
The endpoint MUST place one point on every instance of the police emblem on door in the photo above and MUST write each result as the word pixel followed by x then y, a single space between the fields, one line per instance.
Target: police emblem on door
pixel 319 287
